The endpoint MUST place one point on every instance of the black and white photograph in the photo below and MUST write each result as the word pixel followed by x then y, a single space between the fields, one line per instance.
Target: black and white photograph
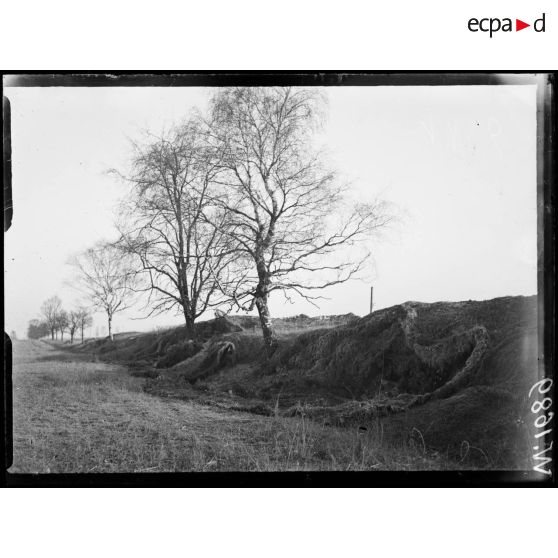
pixel 232 274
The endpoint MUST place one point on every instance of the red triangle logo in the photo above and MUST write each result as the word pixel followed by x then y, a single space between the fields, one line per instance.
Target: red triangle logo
pixel 519 25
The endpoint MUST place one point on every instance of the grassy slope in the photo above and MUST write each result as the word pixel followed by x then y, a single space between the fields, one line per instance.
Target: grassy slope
pixel 73 413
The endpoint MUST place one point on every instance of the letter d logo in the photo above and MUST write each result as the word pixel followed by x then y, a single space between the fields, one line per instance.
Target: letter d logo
pixel 539 24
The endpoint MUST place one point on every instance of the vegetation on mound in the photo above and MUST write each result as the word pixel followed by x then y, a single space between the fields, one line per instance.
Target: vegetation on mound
pixel 163 349
pixel 383 353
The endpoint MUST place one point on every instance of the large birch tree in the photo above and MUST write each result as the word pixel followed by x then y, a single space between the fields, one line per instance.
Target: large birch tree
pixel 290 219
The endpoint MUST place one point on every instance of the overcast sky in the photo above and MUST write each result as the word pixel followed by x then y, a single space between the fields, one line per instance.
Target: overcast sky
pixel 459 163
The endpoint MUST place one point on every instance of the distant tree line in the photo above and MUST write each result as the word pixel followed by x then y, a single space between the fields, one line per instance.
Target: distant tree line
pixel 55 321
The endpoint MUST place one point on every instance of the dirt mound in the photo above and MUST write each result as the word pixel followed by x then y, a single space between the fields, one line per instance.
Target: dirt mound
pixel 163 348
pixel 210 359
pixel 397 358
pixel 293 323
pixel 418 348
pixel 177 352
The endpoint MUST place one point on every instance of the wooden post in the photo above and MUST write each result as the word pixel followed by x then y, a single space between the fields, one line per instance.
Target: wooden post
pixel 371 299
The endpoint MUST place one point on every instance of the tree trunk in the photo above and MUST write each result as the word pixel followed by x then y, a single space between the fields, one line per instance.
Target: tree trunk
pixel 82 334
pixel 190 326
pixel 71 337
pixel 270 340
pixel 52 334
pixel 110 328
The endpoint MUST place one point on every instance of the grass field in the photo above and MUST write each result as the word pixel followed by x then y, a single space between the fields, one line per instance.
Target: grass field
pixel 73 413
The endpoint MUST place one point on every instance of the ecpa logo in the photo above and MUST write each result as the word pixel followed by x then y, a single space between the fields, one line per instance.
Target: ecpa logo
pixel 494 24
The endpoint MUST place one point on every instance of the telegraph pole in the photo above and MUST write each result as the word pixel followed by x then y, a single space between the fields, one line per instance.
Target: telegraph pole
pixel 371 299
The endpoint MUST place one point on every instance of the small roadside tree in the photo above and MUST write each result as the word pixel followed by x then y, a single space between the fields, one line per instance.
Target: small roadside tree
pixel 73 323
pixel 292 224
pixel 62 323
pixel 106 277
pixel 50 311
pixel 84 319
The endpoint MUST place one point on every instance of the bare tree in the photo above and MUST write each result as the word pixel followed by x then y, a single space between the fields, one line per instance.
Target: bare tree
pixel 171 227
pixel 62 322
pixel 106 277
pixel 73 323
pixel 50 310
pixel 290 218
pixel 84 319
